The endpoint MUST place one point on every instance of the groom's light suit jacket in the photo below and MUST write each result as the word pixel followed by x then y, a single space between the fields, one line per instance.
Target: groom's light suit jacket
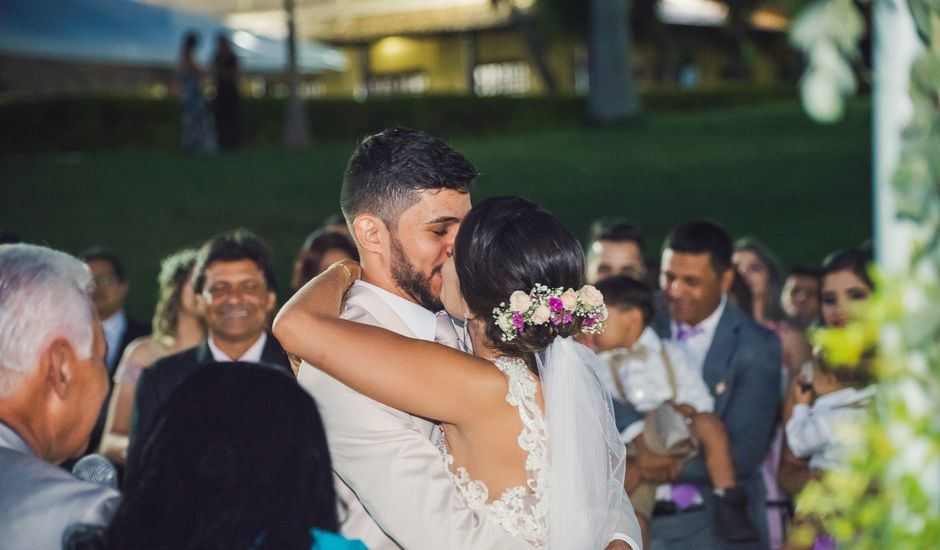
pixel 393 485
pixel 390 474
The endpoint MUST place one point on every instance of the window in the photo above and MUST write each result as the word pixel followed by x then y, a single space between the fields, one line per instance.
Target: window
pixel 388 84
pixel 508 78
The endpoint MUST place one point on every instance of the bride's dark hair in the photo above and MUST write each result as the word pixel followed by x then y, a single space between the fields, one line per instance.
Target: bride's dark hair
pixel 507 244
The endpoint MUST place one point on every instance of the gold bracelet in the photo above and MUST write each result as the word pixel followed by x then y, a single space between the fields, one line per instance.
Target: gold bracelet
pixel 349 277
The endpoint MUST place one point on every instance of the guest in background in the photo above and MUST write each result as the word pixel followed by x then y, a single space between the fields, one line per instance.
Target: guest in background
pixel 740 363
pixel 235 290
pixel 227 116
pixel 800 296
pixel 108 294
pixel 238 460
pixel 764 276
pixel 176 325
pixel 740 295
pixel 649 373
pixel 322 249
pixel 198 129
pixel 844 285
pixel 616 248
pixel 761 270
pixel 52 384
pixel 824 413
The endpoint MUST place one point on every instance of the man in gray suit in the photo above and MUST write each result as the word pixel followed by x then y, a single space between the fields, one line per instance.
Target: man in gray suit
pixel 740 363
pixel 52 383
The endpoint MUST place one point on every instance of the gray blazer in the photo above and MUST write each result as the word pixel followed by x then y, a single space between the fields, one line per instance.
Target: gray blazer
pixel 742 372
pixel 39 501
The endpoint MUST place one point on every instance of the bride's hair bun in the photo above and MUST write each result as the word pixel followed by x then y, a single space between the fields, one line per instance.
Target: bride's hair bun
pixel 507 244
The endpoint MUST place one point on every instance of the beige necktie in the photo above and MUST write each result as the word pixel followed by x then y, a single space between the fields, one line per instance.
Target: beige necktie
pixel 446 333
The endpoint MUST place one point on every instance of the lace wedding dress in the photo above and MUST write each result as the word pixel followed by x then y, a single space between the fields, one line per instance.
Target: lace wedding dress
pixel 521 511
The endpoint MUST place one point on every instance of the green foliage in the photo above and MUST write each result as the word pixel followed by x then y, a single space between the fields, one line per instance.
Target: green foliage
pixel 108 122
pixel 890 495
pixel 764 170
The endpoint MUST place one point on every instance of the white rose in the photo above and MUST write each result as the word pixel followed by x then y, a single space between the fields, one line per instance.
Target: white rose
pixel 569 299
pixel 591 296
pixel 520 302
pixel 541 314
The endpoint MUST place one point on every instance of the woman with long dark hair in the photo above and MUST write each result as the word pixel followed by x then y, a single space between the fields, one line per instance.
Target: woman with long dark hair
pixel 529 436
pixel 237 460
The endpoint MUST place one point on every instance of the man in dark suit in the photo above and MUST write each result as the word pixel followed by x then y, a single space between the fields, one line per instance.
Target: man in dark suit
pixel 235 290
pixel 740 363
pixel 109 291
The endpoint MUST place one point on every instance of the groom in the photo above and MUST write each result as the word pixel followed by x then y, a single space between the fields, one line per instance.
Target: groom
pixel 404 195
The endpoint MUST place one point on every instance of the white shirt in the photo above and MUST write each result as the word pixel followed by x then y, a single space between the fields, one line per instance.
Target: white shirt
pixel 696 347
pixel 251 355
pixel 646 382
pixel 421 322
pixel 114 328
pixel 822 432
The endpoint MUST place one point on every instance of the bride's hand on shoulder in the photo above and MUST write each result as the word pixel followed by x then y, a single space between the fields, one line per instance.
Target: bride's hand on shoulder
pixel 350 268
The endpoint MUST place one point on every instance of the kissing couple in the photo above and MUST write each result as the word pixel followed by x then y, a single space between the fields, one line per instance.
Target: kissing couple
pixel 494 436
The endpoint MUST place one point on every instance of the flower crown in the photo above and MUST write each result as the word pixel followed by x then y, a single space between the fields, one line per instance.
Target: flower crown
pixel 551 305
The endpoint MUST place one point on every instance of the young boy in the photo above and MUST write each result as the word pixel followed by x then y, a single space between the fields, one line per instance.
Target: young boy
pixel 648 372
pixel 825 409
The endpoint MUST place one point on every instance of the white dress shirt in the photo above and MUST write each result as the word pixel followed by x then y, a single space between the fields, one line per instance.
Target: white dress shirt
pixel 421 322
pixel 114 328
pixel 646 382
pixel 819 432
pixel 251 355
pixel 696 347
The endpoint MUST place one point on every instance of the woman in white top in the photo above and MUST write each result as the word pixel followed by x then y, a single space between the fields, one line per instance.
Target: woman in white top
pixel 524 418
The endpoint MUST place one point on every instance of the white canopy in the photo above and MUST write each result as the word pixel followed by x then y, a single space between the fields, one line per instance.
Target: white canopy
pixel 131 33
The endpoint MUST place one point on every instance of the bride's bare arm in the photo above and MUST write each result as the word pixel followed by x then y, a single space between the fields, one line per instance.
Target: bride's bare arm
pixel 423 378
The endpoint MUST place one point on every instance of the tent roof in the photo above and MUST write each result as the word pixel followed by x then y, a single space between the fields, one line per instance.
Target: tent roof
pixel 128 32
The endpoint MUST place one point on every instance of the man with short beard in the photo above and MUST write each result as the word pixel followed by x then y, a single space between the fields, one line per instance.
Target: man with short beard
pixel 235 287
pixel 404 196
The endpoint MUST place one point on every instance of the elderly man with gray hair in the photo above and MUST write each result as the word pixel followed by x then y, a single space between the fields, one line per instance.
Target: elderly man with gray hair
pixel 52 383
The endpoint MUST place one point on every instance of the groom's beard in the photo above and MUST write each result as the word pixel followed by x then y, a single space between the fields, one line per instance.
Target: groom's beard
pixel 411 281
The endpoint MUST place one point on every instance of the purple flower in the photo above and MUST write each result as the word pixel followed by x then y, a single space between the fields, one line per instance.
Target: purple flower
pixel 556 320
pixel 556 304
pixel 567 318
pixel 518 322
pixel 589 322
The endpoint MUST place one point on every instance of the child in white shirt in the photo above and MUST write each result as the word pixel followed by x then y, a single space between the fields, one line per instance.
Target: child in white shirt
pixel 637 373
pixel 842 395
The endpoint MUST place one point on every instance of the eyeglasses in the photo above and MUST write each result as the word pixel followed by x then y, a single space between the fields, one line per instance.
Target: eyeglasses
pixel 221 291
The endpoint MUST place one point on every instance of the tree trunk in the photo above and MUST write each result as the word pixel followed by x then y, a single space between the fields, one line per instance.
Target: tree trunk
pixel 612 94
pixel 295 134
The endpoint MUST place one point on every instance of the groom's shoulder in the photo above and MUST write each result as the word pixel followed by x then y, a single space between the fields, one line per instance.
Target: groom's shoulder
pixel 359 304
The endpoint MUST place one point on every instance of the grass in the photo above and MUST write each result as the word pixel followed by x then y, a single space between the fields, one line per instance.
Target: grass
pixel 765 171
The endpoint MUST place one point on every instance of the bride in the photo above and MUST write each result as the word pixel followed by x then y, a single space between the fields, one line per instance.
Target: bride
pixel 529 436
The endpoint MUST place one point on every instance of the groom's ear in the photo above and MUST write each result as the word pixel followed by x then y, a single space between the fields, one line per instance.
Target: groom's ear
pixel 371 233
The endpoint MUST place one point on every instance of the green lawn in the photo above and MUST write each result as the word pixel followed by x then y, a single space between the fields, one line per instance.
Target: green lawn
pixel 767 171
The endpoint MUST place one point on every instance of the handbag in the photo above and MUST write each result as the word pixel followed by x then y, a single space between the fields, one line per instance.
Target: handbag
pixel 667 430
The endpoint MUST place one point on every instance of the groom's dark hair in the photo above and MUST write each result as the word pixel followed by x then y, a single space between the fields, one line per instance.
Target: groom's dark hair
pixel 388 170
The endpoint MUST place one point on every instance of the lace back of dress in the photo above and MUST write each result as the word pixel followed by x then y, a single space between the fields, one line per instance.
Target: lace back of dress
pixel 522 510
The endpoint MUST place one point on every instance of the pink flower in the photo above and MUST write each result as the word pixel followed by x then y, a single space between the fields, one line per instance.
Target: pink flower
pixel 518 322
pixel 556 304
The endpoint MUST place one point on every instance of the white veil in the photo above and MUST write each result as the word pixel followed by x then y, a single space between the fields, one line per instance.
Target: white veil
pixel 586 455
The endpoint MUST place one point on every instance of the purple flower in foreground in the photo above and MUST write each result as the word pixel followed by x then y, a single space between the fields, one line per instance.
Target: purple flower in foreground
pixel 589 322
pixel 556 304
pixel 518 322
pixel 567 318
